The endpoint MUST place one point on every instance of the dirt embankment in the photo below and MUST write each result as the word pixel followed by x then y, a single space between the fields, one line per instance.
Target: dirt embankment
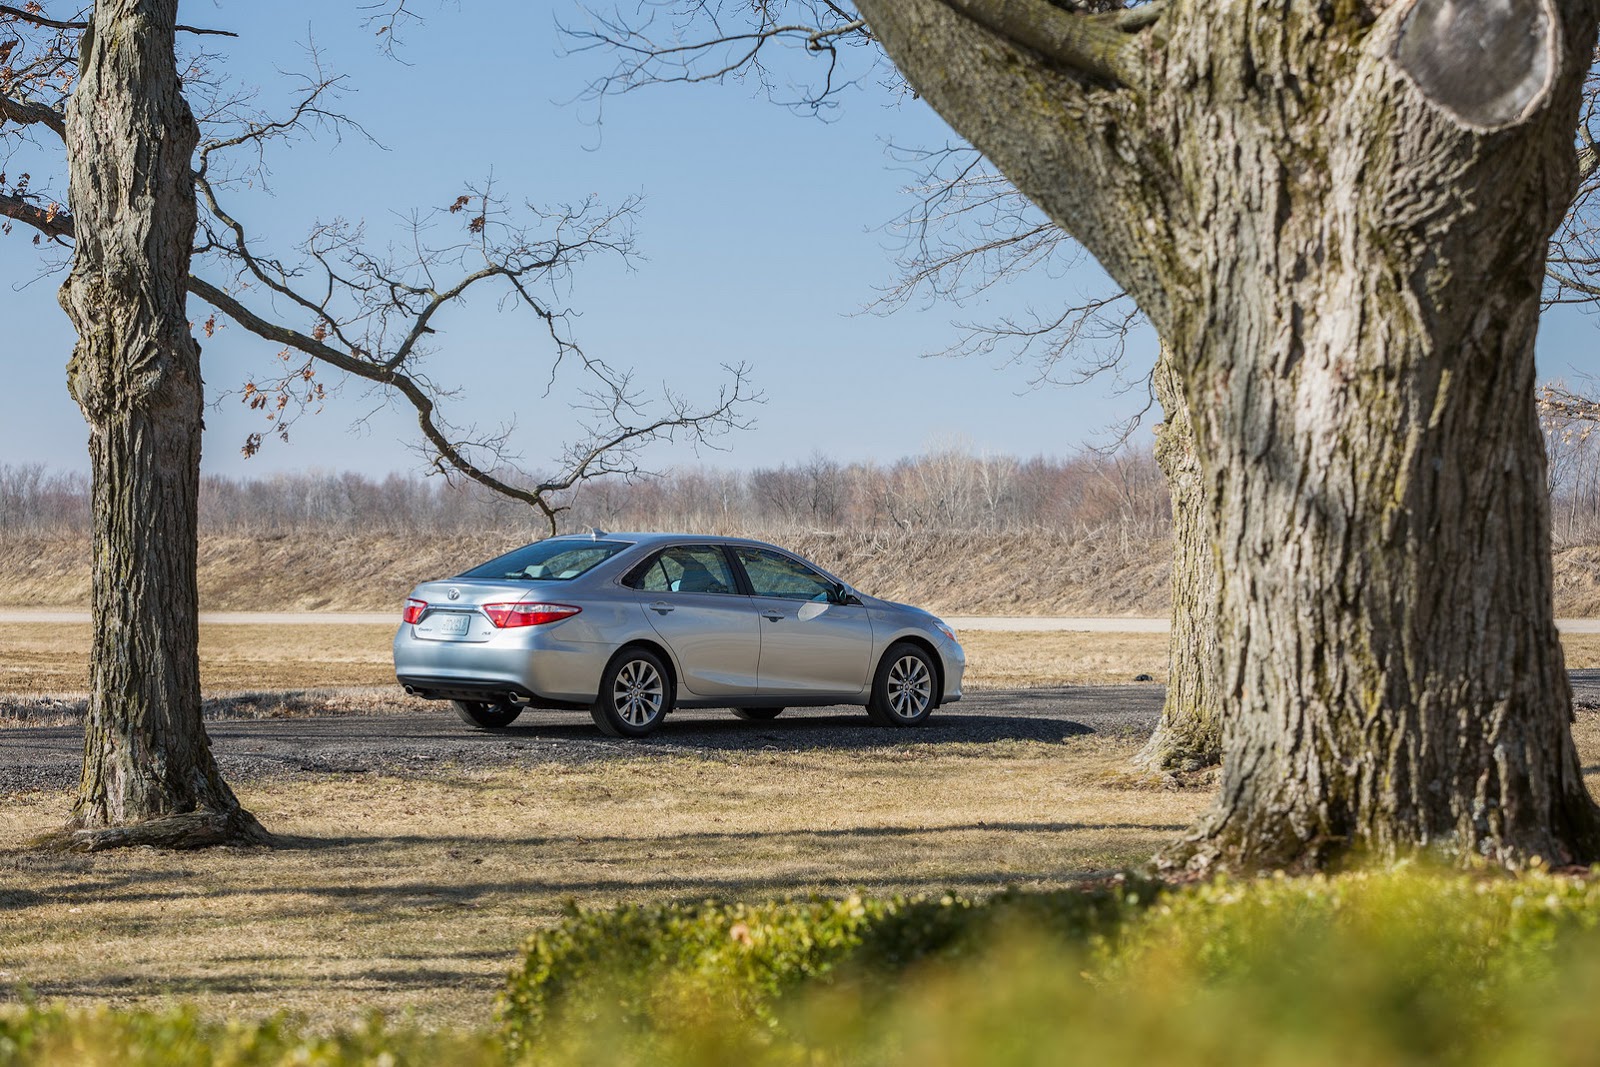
pixel 958 574
pixel 1578 582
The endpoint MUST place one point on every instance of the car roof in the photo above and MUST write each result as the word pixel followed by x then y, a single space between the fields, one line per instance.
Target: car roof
pixel 662 538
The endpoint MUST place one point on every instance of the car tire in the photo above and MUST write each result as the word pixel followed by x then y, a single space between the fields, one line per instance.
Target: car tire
pixel 485 715
pixel 635 694
pixel 758 714
pixel 903 687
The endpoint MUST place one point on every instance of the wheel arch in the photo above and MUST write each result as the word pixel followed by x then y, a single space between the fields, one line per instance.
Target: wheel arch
pixel 933 656
pixel 657 649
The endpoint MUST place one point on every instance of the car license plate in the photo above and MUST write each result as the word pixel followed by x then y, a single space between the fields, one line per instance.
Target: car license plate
pixel 454 625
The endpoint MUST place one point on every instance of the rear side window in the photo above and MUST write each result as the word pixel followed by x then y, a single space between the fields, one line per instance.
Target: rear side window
pixel 552 560
pixel 686 569
pixel 773 575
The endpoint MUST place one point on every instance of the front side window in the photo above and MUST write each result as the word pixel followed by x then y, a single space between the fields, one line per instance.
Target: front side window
pixel 686 569
pixel 555 559
pixel 774 575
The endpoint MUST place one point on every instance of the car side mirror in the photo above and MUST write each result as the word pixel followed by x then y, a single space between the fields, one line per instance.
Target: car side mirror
pixel 844 597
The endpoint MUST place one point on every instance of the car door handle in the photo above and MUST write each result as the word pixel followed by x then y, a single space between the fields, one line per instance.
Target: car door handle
pixel 775 616
pixel 661 607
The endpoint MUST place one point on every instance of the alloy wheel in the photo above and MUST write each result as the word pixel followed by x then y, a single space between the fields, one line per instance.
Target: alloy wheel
pixel 910 687
pixel 638 693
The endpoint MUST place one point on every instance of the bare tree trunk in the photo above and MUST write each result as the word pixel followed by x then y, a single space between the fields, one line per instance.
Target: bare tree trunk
pixel 148 774
pixel 1189 735
pixel 1337 216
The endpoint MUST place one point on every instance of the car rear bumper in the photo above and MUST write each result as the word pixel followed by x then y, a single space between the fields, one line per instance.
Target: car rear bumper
pixel 527 667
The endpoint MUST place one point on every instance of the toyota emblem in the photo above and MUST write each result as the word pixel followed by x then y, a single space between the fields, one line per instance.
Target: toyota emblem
pixel 454 594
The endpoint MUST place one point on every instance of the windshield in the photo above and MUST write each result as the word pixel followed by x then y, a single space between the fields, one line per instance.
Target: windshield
pixel 553 560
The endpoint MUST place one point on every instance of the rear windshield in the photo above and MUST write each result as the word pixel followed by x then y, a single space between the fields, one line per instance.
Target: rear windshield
pixel 554 560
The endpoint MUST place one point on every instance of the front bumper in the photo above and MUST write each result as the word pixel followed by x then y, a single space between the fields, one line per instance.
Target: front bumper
pixel 955 668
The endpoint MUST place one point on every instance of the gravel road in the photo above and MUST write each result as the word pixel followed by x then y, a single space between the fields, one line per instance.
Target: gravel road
pixel 414 741
pixel 48 757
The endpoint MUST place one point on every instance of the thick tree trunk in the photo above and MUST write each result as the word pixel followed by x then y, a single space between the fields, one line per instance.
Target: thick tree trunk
pixel 1189 734
pixel 1336 214
pixel 148 774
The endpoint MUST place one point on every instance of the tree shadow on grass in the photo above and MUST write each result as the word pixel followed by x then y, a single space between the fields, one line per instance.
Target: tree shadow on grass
pixel 503 887
pixel 812 853
pixel 420 748
pixel 246 976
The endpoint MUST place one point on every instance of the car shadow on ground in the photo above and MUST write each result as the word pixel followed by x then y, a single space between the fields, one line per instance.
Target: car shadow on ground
pixel 1047 715
pixel 422 741
pixel 800 731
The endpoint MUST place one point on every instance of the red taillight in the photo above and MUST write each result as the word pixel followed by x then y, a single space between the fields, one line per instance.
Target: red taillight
pixel 414 609
pixel 508 615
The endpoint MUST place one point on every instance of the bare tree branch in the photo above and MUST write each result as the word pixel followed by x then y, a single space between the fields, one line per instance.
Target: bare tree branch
pixel 369 313
pixel 968 229
pixel 1573 266
pixel 386 19
pixel 602 455
pixel 1103 46
pixel 39 19
pixel 27 113
pixel 50 219
pixel 374 314
pixel 669 42
pixel 1557 401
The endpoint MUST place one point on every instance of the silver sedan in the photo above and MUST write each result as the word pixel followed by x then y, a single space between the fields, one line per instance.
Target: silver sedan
pixel 630 626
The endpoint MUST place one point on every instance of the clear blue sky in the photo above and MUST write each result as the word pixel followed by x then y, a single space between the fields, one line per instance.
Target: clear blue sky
pixel 760 231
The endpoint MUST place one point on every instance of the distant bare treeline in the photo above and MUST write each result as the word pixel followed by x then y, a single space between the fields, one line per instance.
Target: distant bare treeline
pixel 36 499
pixel 948 490
pixel 1573 446
pixel 1120 494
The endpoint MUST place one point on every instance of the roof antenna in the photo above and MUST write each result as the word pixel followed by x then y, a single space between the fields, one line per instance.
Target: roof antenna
pixel 595 533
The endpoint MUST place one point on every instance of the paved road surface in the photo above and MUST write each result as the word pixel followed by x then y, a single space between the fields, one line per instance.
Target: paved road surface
pixel 411 742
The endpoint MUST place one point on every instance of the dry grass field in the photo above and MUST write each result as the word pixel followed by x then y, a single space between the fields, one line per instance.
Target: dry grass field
pixel 411 896
pixel 39 659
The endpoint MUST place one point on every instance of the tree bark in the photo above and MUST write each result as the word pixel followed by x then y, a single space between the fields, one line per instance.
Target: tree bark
pixel 1343 244
pixel 148 774
pixel 1189 735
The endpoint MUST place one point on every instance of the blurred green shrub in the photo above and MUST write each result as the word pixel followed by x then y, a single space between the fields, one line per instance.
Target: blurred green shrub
pixel 636 967
pixel 1408 966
